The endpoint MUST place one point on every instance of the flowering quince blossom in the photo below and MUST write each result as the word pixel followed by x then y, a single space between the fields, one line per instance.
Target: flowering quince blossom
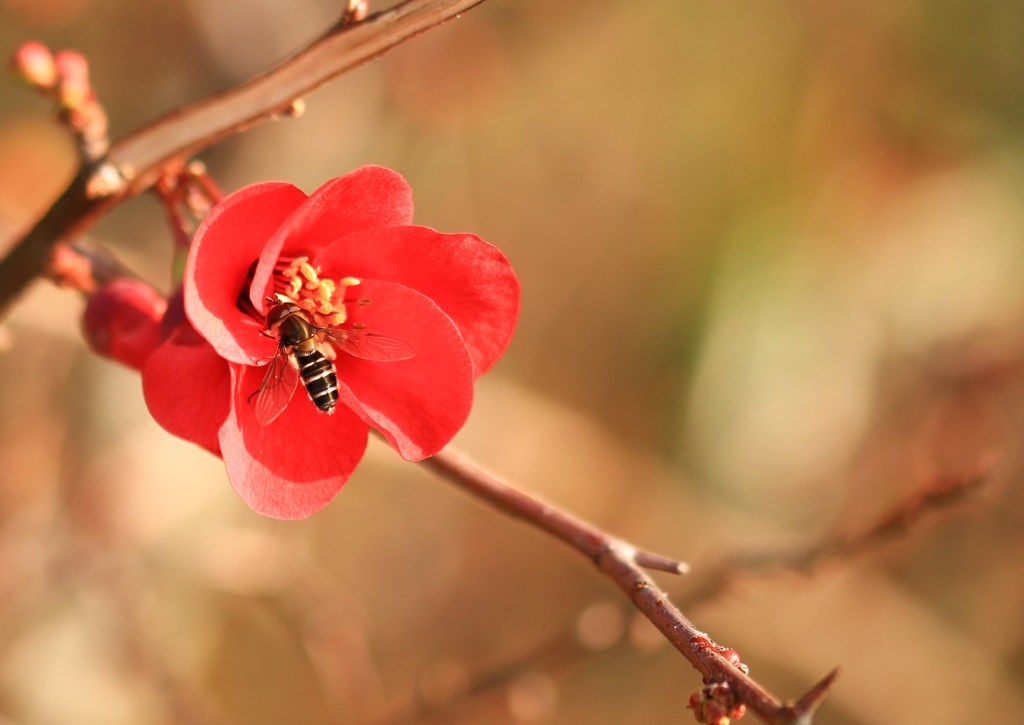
pixel 349 256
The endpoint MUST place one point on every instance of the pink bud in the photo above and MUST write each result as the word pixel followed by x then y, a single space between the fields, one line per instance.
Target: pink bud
pixel 72 65
pixel 33 63
pixel 731 656
pixel 73 89
pixel 122 321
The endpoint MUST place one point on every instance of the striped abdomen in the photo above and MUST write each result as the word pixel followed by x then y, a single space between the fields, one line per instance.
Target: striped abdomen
pixel 317 373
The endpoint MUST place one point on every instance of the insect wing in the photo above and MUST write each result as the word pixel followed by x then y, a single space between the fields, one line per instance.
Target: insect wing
pixel 367 345
pixel 276 390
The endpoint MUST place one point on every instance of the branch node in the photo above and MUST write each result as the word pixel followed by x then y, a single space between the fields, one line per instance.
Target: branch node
pixel 645 559
pixel 355 10
pixel 105 181
pixel 658 562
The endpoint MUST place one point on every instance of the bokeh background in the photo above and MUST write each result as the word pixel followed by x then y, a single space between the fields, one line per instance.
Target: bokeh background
pixel 772 256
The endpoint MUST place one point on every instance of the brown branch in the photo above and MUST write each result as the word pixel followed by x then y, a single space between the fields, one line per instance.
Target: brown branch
pixel 563 648
pixel 618 560
pixel 138 159
pixel 898 521
pixel 84 266
pixel 939 496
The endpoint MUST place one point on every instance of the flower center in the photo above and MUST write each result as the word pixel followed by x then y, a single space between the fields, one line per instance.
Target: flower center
pixel 300 282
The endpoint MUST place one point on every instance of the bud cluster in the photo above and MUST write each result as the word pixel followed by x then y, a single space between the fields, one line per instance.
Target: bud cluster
pixel 63 77
pixel 716 703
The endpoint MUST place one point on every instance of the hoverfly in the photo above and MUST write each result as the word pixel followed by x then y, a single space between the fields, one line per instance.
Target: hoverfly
pixel 299 356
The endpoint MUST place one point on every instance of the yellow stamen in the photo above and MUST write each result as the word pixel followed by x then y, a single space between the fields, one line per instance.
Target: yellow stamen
pixel 297 280
pixel 308 272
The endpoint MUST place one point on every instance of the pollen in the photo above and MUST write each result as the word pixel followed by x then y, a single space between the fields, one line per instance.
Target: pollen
pixel 324 299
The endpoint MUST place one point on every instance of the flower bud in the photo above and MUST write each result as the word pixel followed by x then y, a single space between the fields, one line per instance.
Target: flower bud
pixel 33 64
pixel 122 321
pixel 712 712
pixel 731 656
pixel 73 90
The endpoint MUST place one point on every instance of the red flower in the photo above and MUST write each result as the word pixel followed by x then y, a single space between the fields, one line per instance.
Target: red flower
pixel 349 257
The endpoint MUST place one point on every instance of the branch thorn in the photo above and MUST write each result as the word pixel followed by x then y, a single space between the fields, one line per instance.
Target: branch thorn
pixel 804 708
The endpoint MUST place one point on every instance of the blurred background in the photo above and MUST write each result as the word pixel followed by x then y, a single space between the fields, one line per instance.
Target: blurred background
pixel 772 257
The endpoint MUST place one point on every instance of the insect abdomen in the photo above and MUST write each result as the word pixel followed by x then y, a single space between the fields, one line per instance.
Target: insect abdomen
pixel 319 379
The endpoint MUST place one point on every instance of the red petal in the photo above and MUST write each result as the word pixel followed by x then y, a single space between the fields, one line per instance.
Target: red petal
pixel 226 244
pixel 187 387
pixel 368 197
pixel 468 278
pixel 294 466
pixel 419 403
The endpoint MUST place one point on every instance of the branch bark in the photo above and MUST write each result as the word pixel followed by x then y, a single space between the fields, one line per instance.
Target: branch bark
pixel 939 495
pixel 619 561
pixel 139 158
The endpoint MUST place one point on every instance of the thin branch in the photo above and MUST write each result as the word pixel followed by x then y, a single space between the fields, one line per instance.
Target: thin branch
pixel 138 159
pixel 343 47
pixel 84 266
pixel 938 496
pixel 563 648
pixel 618 560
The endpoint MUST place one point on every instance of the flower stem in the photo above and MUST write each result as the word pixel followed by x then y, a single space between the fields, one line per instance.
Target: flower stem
pixel 622 563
